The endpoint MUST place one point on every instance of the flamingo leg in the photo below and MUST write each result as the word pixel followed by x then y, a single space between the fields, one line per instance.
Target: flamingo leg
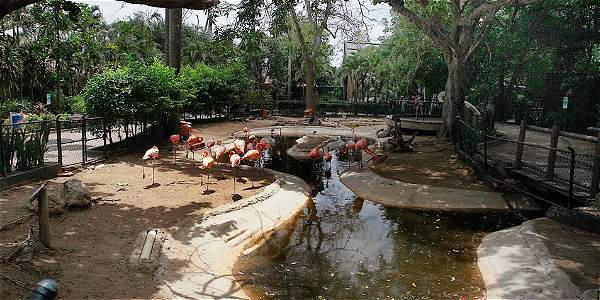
pixel 153 161
pixel 207 180
pixel 234 183
pixel 143 171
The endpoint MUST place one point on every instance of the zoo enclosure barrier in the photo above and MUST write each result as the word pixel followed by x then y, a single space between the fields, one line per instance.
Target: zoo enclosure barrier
pixel 77 141
pixel 573 170
pixel 416 109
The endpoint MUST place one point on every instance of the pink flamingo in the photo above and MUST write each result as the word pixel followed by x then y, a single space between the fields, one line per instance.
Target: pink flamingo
pixel 194 142
pixel 252 155
pixel 314 153
pixel 234 160
pixel 219 150
pixel 175 141
pixel 209 144
pixel 150 153
pixel 207 163
pixel 184 128
pixel 363 145
pixel 239 146
pixel 246 129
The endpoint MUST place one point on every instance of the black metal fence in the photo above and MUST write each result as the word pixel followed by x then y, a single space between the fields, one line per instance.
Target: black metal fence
pixel 567 170
pixel 76 141
pixel 418 109
pixel 296 108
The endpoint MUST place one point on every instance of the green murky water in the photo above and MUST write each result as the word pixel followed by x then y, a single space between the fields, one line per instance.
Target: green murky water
pixel 344 247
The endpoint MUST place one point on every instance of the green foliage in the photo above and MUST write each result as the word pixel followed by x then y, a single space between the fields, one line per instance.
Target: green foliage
pixel 15 105
pixel 138 92
pixel 23 147
pixel 205 87
pixel 404 61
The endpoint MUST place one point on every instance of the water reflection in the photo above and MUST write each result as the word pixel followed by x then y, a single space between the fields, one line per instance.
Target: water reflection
pixel 345 247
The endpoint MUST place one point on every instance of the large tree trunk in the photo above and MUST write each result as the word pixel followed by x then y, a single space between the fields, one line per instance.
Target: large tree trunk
pixel 311 101
pixel 167 36
pixel 453 102
pixel 175 19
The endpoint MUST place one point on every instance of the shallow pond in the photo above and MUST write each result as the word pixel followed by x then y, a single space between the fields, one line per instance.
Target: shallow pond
pixel 345 247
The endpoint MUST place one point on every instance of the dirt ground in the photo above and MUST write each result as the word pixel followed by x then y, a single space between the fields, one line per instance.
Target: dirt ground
pixel 434 162
pixel 92 246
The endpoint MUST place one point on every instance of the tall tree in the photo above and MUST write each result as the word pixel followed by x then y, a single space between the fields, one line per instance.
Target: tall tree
pixel 457 28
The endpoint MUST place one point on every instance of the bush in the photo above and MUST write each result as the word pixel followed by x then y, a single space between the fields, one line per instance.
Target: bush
pixel 138 92
pixel 14 105
pixel 204 87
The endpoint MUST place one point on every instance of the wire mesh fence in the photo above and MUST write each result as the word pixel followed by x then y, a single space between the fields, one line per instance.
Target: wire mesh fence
pixel 76 141
pixel 569 166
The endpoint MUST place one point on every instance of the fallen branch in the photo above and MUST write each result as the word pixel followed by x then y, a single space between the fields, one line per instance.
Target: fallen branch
pixel 22 245
pixel 15 221
pixel 15 281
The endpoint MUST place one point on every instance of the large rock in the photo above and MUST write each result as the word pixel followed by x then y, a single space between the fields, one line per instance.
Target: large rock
pixel 76 194
pixel 382 133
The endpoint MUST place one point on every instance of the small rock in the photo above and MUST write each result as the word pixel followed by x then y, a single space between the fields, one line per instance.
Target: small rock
pixel 76 194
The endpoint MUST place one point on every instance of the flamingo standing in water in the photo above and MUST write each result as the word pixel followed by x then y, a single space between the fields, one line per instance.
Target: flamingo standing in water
pixel 234 160
pixel 363 145
pixel 314 153
pixel 175 141
pixel 207 163
pixel 150 153
pixel 252 155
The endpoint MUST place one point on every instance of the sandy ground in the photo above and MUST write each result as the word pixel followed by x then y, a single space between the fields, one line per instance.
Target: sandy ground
pixel 92 246
pixel 434 163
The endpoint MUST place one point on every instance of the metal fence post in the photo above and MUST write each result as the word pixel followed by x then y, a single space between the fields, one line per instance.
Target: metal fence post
pixel 104 136
pixel 596 173
pixel 520 145
pixel 83 142
pixel 3 161
pixel 59 142
pixel 485 154
pixel 571 175
pixel 552 152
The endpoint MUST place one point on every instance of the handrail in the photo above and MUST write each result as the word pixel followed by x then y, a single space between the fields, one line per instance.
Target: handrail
pixel 37 192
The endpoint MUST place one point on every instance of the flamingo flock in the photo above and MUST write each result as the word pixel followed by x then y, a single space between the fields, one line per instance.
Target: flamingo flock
pixel 248 148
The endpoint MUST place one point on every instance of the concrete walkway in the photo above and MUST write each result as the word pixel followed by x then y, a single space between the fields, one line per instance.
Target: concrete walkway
pixel 388 192
pixel 199 262
pixel 369 132
pixel 516 262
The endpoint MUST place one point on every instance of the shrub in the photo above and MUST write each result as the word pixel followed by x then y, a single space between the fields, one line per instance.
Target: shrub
pixel 138 92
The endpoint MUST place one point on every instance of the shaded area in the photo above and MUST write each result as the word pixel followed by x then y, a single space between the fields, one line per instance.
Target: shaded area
pixel 434 163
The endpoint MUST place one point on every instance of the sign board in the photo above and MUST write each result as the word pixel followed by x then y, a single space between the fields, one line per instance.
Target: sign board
pixel 48 99
pixel 565 102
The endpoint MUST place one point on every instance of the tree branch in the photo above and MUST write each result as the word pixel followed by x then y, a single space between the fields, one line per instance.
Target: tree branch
pixel 8 6
pixel 432 28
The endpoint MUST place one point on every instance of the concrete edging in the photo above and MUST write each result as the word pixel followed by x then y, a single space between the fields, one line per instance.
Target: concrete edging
pixel 392 193
pixel 515 264
pixel 210 248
